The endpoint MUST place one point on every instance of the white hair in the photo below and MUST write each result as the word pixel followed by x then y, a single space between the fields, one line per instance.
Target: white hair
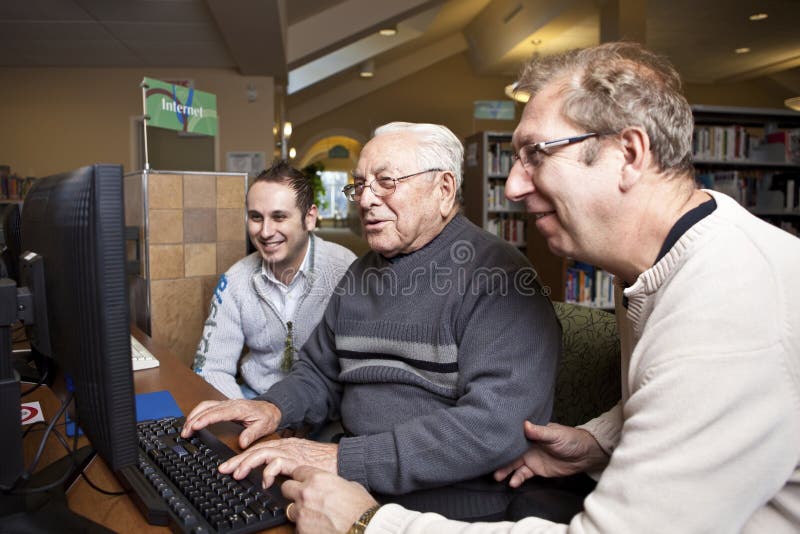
pixel 439 148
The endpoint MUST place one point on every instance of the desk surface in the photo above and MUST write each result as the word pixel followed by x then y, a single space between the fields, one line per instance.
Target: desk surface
pixel 119 513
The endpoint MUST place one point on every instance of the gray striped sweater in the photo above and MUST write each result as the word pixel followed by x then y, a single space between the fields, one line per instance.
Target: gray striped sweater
pixel 432 360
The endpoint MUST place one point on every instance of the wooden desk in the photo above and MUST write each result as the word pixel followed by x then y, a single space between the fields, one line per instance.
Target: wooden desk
pixel 119 513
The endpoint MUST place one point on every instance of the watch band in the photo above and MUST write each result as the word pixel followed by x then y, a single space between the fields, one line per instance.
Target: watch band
pixel 361 523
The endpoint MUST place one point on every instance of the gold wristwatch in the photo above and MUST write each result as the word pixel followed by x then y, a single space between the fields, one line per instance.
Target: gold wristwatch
pixel 361 523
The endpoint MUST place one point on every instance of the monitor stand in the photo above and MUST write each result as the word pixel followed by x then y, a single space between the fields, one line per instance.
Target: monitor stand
pixel 29 366
pixel 40 512
pixel 47 511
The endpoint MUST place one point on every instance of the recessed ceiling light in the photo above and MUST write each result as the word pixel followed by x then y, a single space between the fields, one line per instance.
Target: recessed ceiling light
pixel 742 50
pixel 367 69
pixel 512 93
pixel 758 16
pixel 388 32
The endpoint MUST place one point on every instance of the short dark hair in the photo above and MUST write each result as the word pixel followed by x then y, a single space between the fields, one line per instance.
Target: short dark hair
pixel 282 173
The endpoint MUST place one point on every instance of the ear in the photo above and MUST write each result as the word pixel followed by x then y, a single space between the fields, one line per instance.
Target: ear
pixel 635 146
pixel 447 191
pixel 310 219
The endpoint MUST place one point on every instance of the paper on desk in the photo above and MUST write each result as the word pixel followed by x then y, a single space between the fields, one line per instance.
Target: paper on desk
pixel 31 412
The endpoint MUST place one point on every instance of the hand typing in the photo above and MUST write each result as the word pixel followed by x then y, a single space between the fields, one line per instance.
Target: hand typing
pixel 280 455
pixel 260 418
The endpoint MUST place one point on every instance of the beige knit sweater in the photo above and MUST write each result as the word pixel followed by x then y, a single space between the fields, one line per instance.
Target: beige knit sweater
pixel 707 435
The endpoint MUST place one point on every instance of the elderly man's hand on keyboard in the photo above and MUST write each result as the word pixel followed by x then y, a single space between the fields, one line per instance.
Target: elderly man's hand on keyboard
pixel 258 417
pixel 280 455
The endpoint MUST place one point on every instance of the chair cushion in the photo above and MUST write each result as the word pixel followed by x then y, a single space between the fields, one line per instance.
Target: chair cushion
pixel 588 380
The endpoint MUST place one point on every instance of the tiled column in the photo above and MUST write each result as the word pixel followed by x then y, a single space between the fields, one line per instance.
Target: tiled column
pixel 196 232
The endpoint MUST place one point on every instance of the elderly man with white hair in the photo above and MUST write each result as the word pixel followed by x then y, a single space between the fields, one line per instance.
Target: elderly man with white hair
pixel 435 347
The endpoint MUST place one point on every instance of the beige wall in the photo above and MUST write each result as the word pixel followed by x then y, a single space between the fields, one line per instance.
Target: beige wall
pixel 58 119
pixel 758 93
pixel 443 94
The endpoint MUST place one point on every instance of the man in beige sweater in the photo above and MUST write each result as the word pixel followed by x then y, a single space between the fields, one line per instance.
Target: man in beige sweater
pixel 706 437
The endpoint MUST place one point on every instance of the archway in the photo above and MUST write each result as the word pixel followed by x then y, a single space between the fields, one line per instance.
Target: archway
pixel 337 155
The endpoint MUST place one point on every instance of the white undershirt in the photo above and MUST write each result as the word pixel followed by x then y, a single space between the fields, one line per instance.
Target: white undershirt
pixel 286 297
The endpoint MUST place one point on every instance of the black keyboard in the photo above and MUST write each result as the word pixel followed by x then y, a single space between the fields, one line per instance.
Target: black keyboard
pixel 177 483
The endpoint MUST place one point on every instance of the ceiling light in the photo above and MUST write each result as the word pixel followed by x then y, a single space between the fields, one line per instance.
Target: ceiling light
pixel 287 129
pixel 292 153
pixel 793 103
pixel 367 69
pixel 758 16
pixel 742 50
pixel 388 31
pixel 514 94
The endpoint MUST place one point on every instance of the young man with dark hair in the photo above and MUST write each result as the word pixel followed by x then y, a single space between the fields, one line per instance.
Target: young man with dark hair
pixel 271 300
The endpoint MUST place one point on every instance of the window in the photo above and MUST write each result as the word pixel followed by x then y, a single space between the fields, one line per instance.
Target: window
pixel 335 204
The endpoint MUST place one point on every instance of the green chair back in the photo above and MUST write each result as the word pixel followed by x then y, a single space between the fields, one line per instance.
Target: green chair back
pixel 588 380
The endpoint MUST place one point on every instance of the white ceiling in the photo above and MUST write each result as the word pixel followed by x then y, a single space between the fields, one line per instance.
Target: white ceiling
pixel 310 41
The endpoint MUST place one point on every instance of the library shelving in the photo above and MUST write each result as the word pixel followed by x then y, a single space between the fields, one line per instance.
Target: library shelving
pixel 569 280
pixel 12 186
pixel 487 162
pixel 753 155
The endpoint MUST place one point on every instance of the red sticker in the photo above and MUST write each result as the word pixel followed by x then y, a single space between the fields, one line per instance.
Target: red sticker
pixel 28 413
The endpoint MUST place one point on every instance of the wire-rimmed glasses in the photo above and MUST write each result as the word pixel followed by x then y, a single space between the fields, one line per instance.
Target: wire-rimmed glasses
pixel 380 187
pixel 531 155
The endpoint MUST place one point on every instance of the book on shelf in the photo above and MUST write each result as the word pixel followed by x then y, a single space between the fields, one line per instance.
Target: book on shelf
pixel 732 183
pixel 787 145
pixel 496 199
pixel 12 186
pixel 589 286
pixel 756 190
pixel 508 228
pixel 735 143
pixel 498 159
pixel 721 143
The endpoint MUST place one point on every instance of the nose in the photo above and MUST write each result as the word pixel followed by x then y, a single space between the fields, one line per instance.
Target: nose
pixel 519 184
pixel 368 198
pixel 266 229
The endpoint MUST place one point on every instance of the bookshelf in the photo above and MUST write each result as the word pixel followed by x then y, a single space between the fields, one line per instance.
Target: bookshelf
pixel 753 155
pixel 13 187
pixel 487 163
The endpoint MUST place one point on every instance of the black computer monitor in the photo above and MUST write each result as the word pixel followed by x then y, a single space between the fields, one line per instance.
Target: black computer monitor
pixel 73 227
pixel 10 221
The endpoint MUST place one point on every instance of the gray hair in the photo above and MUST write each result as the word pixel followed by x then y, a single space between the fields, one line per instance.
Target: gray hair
pixel 439 148
pixel 613 86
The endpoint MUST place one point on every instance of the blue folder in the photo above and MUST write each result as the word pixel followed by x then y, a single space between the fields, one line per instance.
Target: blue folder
pixel 153 405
